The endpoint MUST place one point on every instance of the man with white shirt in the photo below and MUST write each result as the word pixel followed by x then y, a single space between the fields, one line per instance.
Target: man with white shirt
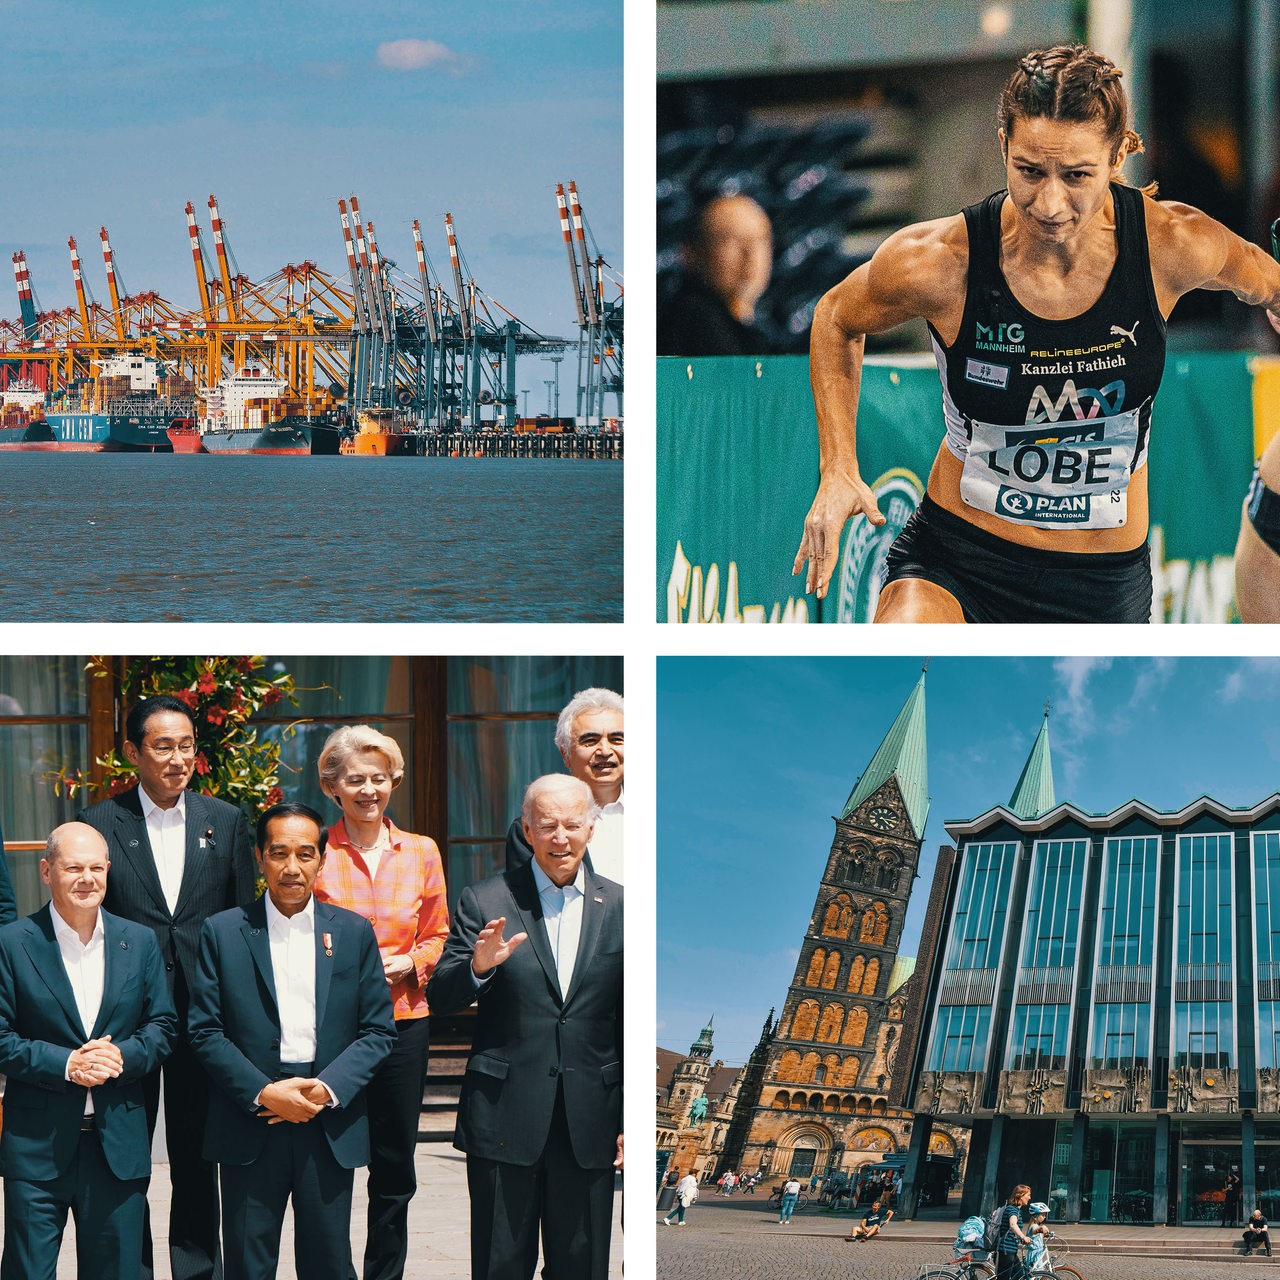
pixel 177 858
pixel 540 1116
pixel 589 737
pixel 291 1017
pixel 85 1015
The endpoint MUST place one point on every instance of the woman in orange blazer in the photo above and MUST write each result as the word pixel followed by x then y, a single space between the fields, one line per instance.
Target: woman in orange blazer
pixel 395 880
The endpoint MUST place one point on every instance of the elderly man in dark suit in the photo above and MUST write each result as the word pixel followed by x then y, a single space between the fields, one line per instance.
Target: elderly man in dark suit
pixel 177 858
pixel 540 1116
pixel 85 1015
pixel 291 1017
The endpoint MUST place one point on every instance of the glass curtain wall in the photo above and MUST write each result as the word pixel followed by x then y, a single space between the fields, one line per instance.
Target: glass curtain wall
pixel 1051 936
pixel 963 1023
pixel 1120 1037
pixel 1204 981
pixel 1266 927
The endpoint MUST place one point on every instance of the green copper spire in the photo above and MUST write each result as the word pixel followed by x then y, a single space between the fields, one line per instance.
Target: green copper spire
pixel 902 756
pixel 1034 793
pixel 701 1047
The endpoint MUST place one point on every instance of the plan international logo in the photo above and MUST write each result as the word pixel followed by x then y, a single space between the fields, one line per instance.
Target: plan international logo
pixel 1003 337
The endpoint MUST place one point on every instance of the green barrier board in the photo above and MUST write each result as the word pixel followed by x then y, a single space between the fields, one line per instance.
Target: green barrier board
pixel 738 466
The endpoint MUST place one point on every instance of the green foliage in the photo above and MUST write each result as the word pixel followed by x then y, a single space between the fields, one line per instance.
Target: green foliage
pixel 232 762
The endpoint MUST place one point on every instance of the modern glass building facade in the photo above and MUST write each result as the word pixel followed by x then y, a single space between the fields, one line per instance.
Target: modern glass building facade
pixel 1104 1009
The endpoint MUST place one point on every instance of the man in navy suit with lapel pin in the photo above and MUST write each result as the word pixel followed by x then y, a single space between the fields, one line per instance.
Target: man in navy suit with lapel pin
pixel 85 1015
pixel 178 857
pixel 291 1017
pixel 540 1116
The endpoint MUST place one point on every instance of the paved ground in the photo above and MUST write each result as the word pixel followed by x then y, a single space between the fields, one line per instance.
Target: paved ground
pixel 438 1219
pixel 739 1238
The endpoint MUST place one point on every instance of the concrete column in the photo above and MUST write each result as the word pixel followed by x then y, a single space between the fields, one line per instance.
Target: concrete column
pixel 991 1191
pixel 908 1202
pixel 1164 1168
pixel 971 1200
pixel 1248 1166
pixel 1075 1170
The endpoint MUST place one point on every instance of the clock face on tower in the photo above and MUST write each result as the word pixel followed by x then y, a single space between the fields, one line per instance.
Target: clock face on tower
pixel 882 818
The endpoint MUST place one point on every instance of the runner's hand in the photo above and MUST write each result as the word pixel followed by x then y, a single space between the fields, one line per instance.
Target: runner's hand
pixel 839 497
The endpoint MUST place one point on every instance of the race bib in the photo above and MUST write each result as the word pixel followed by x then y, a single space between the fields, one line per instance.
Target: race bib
pixel 1053 475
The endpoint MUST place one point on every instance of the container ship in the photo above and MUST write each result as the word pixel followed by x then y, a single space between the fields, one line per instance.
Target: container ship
pixel 22 424
pixel 252 411
pixel 128 408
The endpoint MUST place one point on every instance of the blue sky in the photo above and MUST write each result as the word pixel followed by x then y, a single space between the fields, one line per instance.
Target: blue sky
pixel 119 114
pixel 755 756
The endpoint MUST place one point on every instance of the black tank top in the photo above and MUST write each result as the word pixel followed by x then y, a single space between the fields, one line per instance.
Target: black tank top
pixel 1051 417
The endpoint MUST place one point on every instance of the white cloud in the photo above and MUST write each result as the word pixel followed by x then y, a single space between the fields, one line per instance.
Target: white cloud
pixel 1251 677
pixel 414 55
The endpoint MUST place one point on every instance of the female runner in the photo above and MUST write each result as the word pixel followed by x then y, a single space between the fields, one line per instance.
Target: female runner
pixel 1046 305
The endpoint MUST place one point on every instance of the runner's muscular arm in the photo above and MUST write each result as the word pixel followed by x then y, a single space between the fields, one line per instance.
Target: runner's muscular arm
pixel 1190 250
pixel 918 271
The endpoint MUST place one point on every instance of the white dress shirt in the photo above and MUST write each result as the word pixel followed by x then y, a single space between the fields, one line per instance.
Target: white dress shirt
pixel 293 971
pixel 606 842
pixel 86 966
pixel 167 832
pixel 563 921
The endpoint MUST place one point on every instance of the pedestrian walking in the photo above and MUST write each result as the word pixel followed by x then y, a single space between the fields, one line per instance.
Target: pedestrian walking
pixel 686 1194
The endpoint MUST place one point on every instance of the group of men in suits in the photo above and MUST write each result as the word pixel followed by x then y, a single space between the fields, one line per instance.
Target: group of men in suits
pixel 270 1016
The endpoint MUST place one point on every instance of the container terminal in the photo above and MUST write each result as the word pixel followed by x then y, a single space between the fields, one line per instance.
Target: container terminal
pixel 377 363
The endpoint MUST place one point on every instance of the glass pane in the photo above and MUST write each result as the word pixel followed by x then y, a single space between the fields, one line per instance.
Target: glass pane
pixel 24 870
pixel 300 753
pixel 490 764
pixel 522 684
pixel 345 685
pixel 29 807
pixel 42 686
pixel 468 863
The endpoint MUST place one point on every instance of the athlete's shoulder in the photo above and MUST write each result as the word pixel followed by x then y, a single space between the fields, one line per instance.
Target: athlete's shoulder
pixel 1187 247
pixel 926 261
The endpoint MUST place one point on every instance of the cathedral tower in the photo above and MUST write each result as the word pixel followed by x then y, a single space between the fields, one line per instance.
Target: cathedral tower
pixel 822 1103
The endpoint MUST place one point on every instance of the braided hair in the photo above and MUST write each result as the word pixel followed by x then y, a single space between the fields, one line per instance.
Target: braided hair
pixel 1071 83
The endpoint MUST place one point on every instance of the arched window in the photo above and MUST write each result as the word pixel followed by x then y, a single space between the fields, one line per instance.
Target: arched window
pixel 814 976
pixel 831 1103
pixel 789 1066
pixel 798 1102
pixel 819 1075
pixel 781 1100
pixel 887 872
pixel 855 1029
pixel 838 919
pixel 878 1107
pixel 849 1069
pixel 864 1106
pixel 875 924
pixel 808 1067
pixel 806 1020
pixel 856 970
pixel 832 971
pixel 873 976
pixel 832 1020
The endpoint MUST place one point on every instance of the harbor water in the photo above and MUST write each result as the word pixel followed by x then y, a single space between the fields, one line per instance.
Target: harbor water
pixel 96 537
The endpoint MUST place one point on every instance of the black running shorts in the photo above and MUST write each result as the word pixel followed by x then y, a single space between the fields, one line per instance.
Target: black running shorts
pixel 999 581
pixel 1264 512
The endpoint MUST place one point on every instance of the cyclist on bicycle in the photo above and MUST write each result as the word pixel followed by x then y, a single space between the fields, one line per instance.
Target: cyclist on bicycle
pixel 1037 1259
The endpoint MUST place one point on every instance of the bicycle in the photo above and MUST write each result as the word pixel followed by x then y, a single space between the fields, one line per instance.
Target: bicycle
pixel 963 1267
pixel 775 1200
pixel 1054 1244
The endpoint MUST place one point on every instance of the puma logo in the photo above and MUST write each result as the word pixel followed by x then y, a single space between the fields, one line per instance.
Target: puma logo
pixel 1131 334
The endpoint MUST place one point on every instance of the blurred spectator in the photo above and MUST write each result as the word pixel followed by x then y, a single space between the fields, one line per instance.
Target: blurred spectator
pixel 728 263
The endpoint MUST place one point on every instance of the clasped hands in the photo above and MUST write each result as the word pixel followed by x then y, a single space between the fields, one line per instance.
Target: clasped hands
pixel 94 1063
pixel 295 1100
